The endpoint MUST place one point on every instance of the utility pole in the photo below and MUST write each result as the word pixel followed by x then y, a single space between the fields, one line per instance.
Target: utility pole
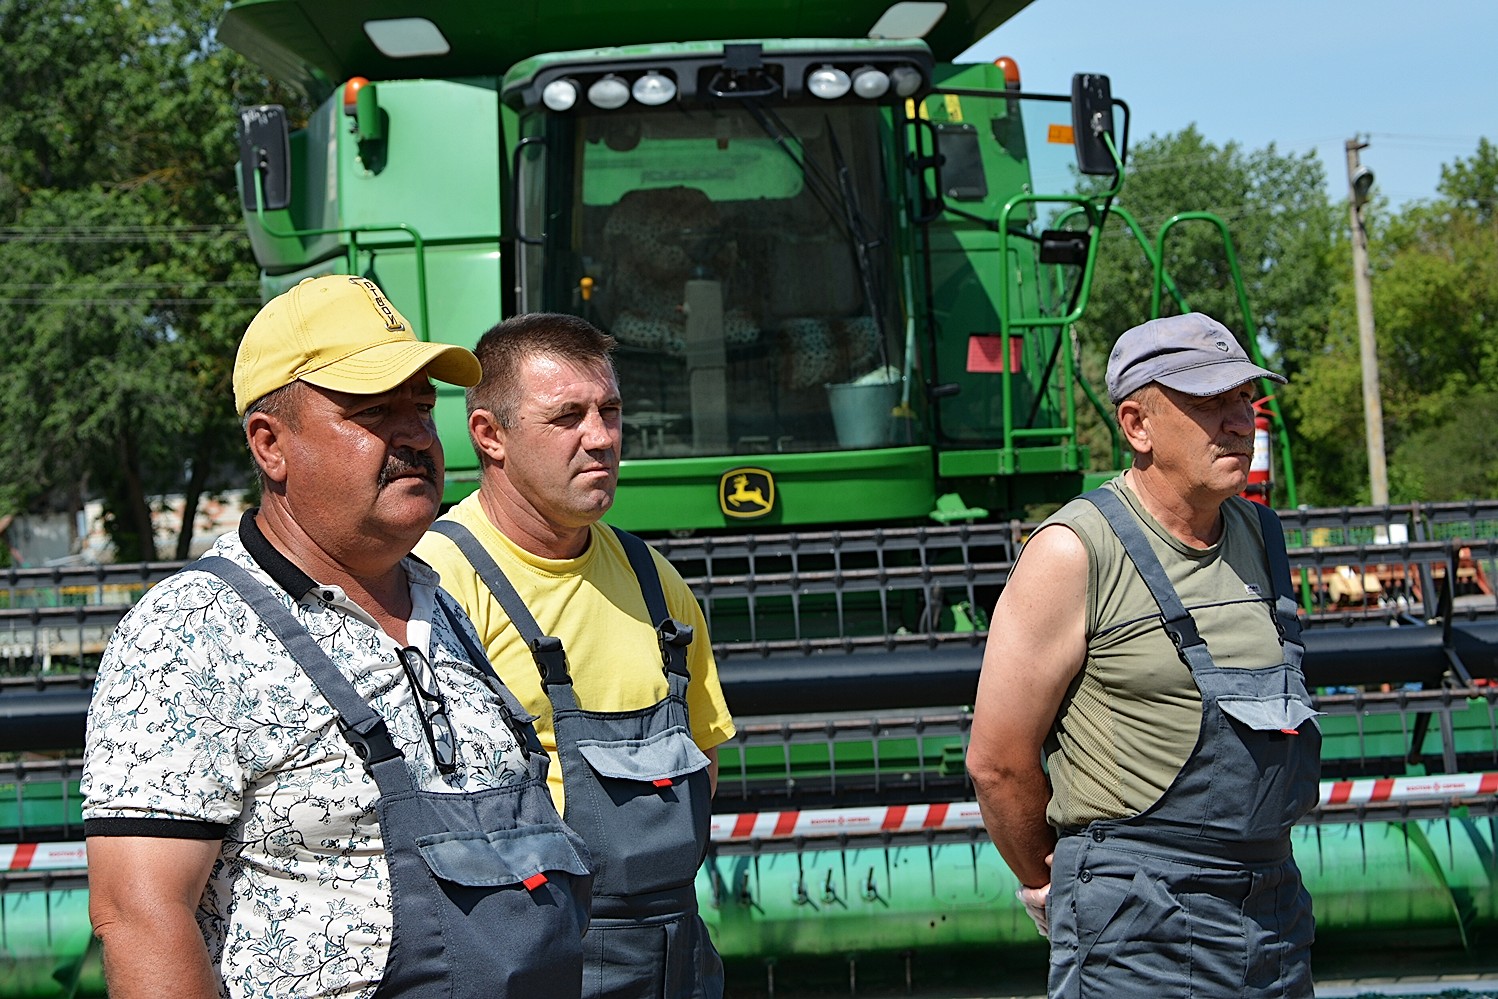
pixel 1359 183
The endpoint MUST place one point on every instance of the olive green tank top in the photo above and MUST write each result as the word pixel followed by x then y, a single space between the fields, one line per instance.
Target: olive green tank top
pixel 1131 717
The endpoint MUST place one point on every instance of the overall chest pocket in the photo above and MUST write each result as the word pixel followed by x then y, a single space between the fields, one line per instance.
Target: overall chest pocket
pixel 533 881
pixel 648 819
pixel 504 857
pixel 664 756
pixel 1273 713
pixel 1273 767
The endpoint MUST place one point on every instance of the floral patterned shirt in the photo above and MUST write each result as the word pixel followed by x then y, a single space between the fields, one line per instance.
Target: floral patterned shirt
pixel 201 726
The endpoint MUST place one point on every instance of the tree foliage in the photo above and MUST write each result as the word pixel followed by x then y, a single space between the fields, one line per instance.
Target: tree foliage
pixel 1435 301
pixel 1435 309
pixel 127 278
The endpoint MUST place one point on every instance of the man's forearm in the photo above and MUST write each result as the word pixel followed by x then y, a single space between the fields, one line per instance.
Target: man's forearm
pixel 1013 807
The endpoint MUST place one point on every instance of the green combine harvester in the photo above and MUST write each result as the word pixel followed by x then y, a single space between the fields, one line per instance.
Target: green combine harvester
pixel 844 273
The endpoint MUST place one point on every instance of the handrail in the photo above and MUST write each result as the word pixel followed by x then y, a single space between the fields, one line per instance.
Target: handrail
pixel 1250 328
pixel 352 253
pixel 1095 206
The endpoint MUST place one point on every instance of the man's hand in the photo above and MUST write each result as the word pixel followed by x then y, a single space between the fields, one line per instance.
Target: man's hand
pixel 1034 901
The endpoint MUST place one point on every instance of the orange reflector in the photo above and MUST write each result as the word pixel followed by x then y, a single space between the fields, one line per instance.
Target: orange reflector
pixel 1010 69
pixel 534 881
pixel 1290 731
pixel 351 93
pixel 1060 135
pixel 662 782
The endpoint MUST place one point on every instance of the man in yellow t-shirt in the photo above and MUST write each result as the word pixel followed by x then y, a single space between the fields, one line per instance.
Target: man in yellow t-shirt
pixel 600 638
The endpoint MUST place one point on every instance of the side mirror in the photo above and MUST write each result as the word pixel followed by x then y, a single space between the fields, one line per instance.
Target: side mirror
pixel 1091 119
pixel 264 153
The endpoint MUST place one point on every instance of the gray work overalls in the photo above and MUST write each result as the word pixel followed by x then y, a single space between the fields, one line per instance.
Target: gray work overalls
pixel 489 890
pixel 637 788
pixel 1199 895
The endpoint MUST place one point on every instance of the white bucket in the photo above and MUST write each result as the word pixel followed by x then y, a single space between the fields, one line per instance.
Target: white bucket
pixel 861 412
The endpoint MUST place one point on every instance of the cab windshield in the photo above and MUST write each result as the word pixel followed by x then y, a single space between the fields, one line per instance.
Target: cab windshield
pixel 743 258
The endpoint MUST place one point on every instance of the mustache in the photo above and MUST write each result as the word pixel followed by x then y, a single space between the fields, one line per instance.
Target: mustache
pixel 1245 449
pixel 407 462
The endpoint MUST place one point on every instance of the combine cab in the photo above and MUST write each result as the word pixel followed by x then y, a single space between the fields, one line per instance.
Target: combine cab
pixel 837 298
pixel 844 275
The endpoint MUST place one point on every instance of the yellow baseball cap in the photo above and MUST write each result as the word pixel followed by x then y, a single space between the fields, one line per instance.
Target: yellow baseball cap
pixel 339 332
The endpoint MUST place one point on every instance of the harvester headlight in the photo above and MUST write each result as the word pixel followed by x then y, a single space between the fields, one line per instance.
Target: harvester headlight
pixel 870 83
pixel 906 80
pixel 609 93
pixel 654 89
pixel 559 95
pixel 828 83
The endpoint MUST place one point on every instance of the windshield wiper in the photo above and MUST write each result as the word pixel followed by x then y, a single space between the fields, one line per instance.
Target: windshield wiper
pixel 838 199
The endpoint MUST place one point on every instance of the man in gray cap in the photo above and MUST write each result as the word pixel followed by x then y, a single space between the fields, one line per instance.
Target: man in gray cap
pixel 1146 648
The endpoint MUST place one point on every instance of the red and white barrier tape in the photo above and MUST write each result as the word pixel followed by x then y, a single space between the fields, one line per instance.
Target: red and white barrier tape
pixel 845 821
pixel 831 822
pixel 1358 792
pixel 42 857
pixel 828 823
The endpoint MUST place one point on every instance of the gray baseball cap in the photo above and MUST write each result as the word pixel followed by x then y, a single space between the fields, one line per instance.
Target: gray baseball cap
pixel 1194 354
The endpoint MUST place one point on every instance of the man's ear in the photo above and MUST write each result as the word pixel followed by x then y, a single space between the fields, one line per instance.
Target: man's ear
pixel 1131 421
pixel 487 435
pixel 266 437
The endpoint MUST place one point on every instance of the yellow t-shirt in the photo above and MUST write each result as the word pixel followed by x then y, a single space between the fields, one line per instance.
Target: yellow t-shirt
pixel 594 605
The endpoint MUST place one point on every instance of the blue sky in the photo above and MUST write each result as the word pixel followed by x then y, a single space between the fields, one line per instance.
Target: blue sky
pixel 1417 80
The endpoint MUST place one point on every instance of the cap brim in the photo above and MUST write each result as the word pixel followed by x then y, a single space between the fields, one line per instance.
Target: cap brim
pixel 1214 379
pixel 385 366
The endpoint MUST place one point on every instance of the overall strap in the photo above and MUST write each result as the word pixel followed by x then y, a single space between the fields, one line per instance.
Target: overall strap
pixel 546 650
pixel 360 724
pixel 672 636
pixel 1178 622
pixel 517 719
pixel 1285 607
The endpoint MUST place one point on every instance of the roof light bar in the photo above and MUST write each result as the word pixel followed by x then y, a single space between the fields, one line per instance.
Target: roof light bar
pixel 609 92
pixel 559 95
pixel 653 89
pixel 828 83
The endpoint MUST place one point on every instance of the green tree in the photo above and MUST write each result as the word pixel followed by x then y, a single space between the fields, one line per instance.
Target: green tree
pixel 1435 307
pixel 127 278
pixel 1435 301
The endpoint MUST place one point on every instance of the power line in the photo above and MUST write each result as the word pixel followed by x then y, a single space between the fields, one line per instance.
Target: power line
pixel 145 229
pixel 126 285
pixel 115 303
pixel 122 234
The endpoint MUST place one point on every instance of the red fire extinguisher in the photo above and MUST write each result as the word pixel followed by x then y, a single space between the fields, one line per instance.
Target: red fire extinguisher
pixel 1260 471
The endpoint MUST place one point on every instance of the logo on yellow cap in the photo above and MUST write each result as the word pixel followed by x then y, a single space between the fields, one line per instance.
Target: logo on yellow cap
pixel 393 321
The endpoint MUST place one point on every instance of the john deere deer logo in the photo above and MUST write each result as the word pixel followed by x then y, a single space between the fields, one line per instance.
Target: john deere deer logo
pixel 746 493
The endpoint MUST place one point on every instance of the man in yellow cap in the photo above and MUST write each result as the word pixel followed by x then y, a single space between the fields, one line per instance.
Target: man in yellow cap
pixel 302 777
